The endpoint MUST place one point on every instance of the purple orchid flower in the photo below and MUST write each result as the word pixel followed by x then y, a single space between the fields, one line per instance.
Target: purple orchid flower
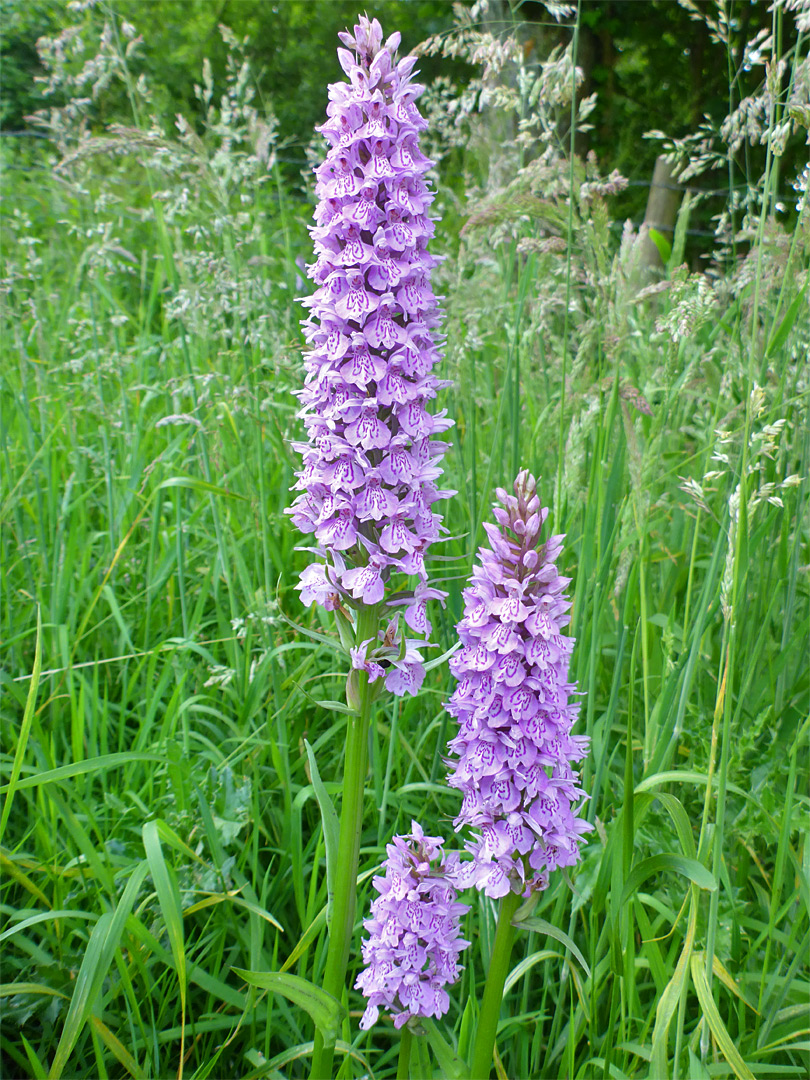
pixel 367 486
pixel 512 757
pixel 414 941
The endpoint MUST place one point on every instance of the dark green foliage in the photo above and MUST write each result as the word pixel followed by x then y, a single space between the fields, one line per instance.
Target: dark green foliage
pixel 22 23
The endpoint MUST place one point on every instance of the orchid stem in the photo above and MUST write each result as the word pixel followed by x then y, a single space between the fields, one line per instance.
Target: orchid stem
pixel 493 990
pixel 422 1068
pixel 404 1063
pixel 351 825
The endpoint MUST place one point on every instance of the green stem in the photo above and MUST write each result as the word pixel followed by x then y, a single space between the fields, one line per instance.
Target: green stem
pixel 348 857
pixel 403 1065
pixel 422 1068
pixel 493 991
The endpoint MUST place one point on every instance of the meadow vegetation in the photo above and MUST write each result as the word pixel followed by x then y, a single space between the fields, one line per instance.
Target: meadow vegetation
pixel 159 818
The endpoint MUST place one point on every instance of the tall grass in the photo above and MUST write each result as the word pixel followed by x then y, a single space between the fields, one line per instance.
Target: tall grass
pixel 159 820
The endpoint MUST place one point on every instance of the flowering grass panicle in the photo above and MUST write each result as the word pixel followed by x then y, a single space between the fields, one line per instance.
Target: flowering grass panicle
pixel 368 482
pixel 413 946
pixel 513 754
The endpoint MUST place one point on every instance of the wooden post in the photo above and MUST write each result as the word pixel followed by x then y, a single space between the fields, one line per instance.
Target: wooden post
pixel 662 210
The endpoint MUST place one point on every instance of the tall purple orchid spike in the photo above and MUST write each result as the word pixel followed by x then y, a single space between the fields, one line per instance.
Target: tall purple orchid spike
pixel 513 755
pixel 413 946
pixel 368 482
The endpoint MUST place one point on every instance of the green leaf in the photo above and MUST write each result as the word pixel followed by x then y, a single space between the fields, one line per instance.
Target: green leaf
pixel 171 837
pixel 196 484
pixel 786 325
pixel 44 916
pixel 109 596
pixel 451 1067
pixel 528 962
pixel 466 1032
pixel 264 1068
pixel 80 768
pixel 97 960
pixel 345 629
pixel 333 645
pixel 718 1028
pixel 668 1001
pixel 25 729
pixel 11 989
pixel 114 1044
pixel 307 937
pixel 680 820
pixel 540 926
pixel 682 776
pixel 326 1011
pixel 658 864
pixel 37 1068
pixel 197 974
pixel 421 1067
pixel 697 1070
pixel 169 899
pixel 679 238
pixel 212 899
pixel 332 706
pixel 331 828
pixel 437 661
pixel 663 245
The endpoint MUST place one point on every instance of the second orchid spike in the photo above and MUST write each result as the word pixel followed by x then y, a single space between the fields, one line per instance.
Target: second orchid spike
pixel 514 755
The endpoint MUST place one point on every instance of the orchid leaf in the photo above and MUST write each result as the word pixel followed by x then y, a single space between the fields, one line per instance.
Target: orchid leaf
pixel 450 1064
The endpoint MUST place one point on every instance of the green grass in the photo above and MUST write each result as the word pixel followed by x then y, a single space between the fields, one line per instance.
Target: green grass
pixel 160 826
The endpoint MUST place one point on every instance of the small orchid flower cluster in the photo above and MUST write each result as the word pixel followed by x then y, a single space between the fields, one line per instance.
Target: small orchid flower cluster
pixel 414 942
pixel 368 482
pixel 514 749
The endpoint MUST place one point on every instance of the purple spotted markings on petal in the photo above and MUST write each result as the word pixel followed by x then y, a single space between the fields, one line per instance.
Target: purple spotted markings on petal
pixel 514 755
pixel 414 941
pixel 368 487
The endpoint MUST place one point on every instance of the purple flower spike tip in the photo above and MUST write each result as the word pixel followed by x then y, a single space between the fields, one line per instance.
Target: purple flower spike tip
pixel 414 942
pixel 367 487
pixel 514 753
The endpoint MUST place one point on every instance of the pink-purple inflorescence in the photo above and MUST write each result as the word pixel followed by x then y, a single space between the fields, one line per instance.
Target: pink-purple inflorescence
pixel 513 754
pixel 414 941
pixel 368 482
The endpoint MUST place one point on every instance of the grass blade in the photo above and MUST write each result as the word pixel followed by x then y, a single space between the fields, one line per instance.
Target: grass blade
pixel 331 827
pixel 25 729
pixel 169 900
pixel 718 1028
pixel 98 957
pixel 656 864
pixel 325 1010
pixel 81 768
pixel 541 926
